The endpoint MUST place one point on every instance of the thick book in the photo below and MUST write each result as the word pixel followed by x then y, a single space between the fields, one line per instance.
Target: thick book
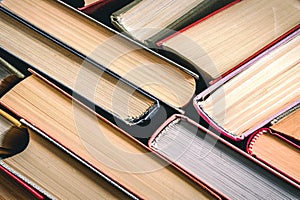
pixel 56 175
pixel 288 123
pixel 258 92
pixel 72 71
pixel 98 143
pixel 227 39
pixel 38 166
pixel 218 163
pixel 148 21
pixel 94 41
pixel 277 152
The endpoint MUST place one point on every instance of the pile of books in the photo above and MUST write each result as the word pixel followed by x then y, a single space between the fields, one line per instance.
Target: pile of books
pixel 142 99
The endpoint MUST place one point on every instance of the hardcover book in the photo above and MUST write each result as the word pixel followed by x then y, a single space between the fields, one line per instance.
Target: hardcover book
pixel 98 143
pixel 218 163
pixel 223 42
pixel 263 88
pixel 149 21
pixel 101 10
pixel 93 42
pixel 277 152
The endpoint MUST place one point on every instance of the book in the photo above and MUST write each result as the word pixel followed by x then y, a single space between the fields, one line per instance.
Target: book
pixel 93 41
pixel 276 151
pixel 99 143
pixel 56 174
pixel 12 190
pixel 287 123
pixel 263 88
pixel 101 10
pixel 227 39
pixel 14 139
pixel 94 84
pixel 218 163
pixel 37 165
pixel 148 21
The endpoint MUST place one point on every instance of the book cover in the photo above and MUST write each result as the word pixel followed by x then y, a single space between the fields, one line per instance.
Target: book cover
pixel 12 188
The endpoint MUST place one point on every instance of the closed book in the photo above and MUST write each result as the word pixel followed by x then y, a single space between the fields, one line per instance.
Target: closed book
pixel 94 42
pixel 98 143
pixel 222 166
pixel 255 94
pixel 149 21
pixel 76 74
pixel 277 152
pixel 56 174
pixel 229 38
pixel 101 10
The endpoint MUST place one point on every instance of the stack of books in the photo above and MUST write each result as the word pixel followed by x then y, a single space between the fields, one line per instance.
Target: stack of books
pixel 150 99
